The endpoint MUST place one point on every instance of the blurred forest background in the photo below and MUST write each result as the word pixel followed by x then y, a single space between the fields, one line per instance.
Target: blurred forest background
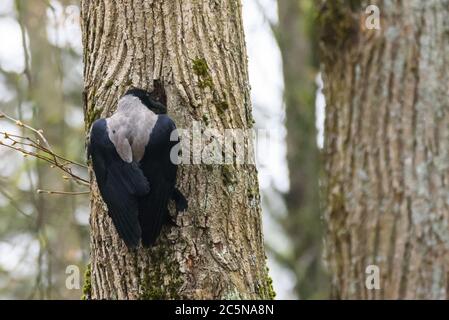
pixel 41 85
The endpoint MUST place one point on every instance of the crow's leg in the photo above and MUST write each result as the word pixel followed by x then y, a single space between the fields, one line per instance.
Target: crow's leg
pixel 180 200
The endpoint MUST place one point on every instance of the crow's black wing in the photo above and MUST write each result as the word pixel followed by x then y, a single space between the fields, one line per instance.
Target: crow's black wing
pixel 161 172
pixel 120 183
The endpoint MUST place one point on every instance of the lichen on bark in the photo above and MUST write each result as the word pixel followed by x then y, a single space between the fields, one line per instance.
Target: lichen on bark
pixel 151 288
pixel 87 286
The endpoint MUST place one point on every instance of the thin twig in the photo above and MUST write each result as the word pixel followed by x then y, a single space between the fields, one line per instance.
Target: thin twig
pixel 21 124
pixel 62 192
pixel 26 153
pixel 43 152
pixel 35 144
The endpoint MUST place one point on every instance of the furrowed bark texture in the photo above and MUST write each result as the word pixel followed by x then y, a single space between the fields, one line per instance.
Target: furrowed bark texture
pixel 196 49
pixel 387 148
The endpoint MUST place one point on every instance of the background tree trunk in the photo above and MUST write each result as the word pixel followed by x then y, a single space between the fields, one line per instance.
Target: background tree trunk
pixel 387 148
pixel 197 50
pixel 303 224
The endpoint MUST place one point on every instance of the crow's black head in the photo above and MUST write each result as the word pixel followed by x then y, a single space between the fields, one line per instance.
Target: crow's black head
pixel 148 99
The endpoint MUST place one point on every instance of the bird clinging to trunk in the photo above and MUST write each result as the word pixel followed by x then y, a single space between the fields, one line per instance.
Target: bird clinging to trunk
pixel 136 177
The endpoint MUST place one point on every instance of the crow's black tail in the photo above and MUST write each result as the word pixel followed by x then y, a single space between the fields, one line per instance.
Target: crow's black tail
pixel 153 214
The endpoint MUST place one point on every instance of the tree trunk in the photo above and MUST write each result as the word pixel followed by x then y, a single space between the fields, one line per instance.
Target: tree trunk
pixel 303 223
pixel 196 49
pixel 387 148
pixel 42 68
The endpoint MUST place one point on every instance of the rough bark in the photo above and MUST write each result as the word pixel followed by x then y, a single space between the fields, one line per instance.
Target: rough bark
pixel 387 148
pixel 303 224
pixel 196 49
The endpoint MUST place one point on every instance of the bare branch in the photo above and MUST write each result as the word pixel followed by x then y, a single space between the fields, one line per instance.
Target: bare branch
pixel 62 192
pixel 19 123
pixel 43 150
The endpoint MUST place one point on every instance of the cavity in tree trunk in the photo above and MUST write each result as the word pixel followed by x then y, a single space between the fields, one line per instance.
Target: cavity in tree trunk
pixel 196 50
pixel 387 148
